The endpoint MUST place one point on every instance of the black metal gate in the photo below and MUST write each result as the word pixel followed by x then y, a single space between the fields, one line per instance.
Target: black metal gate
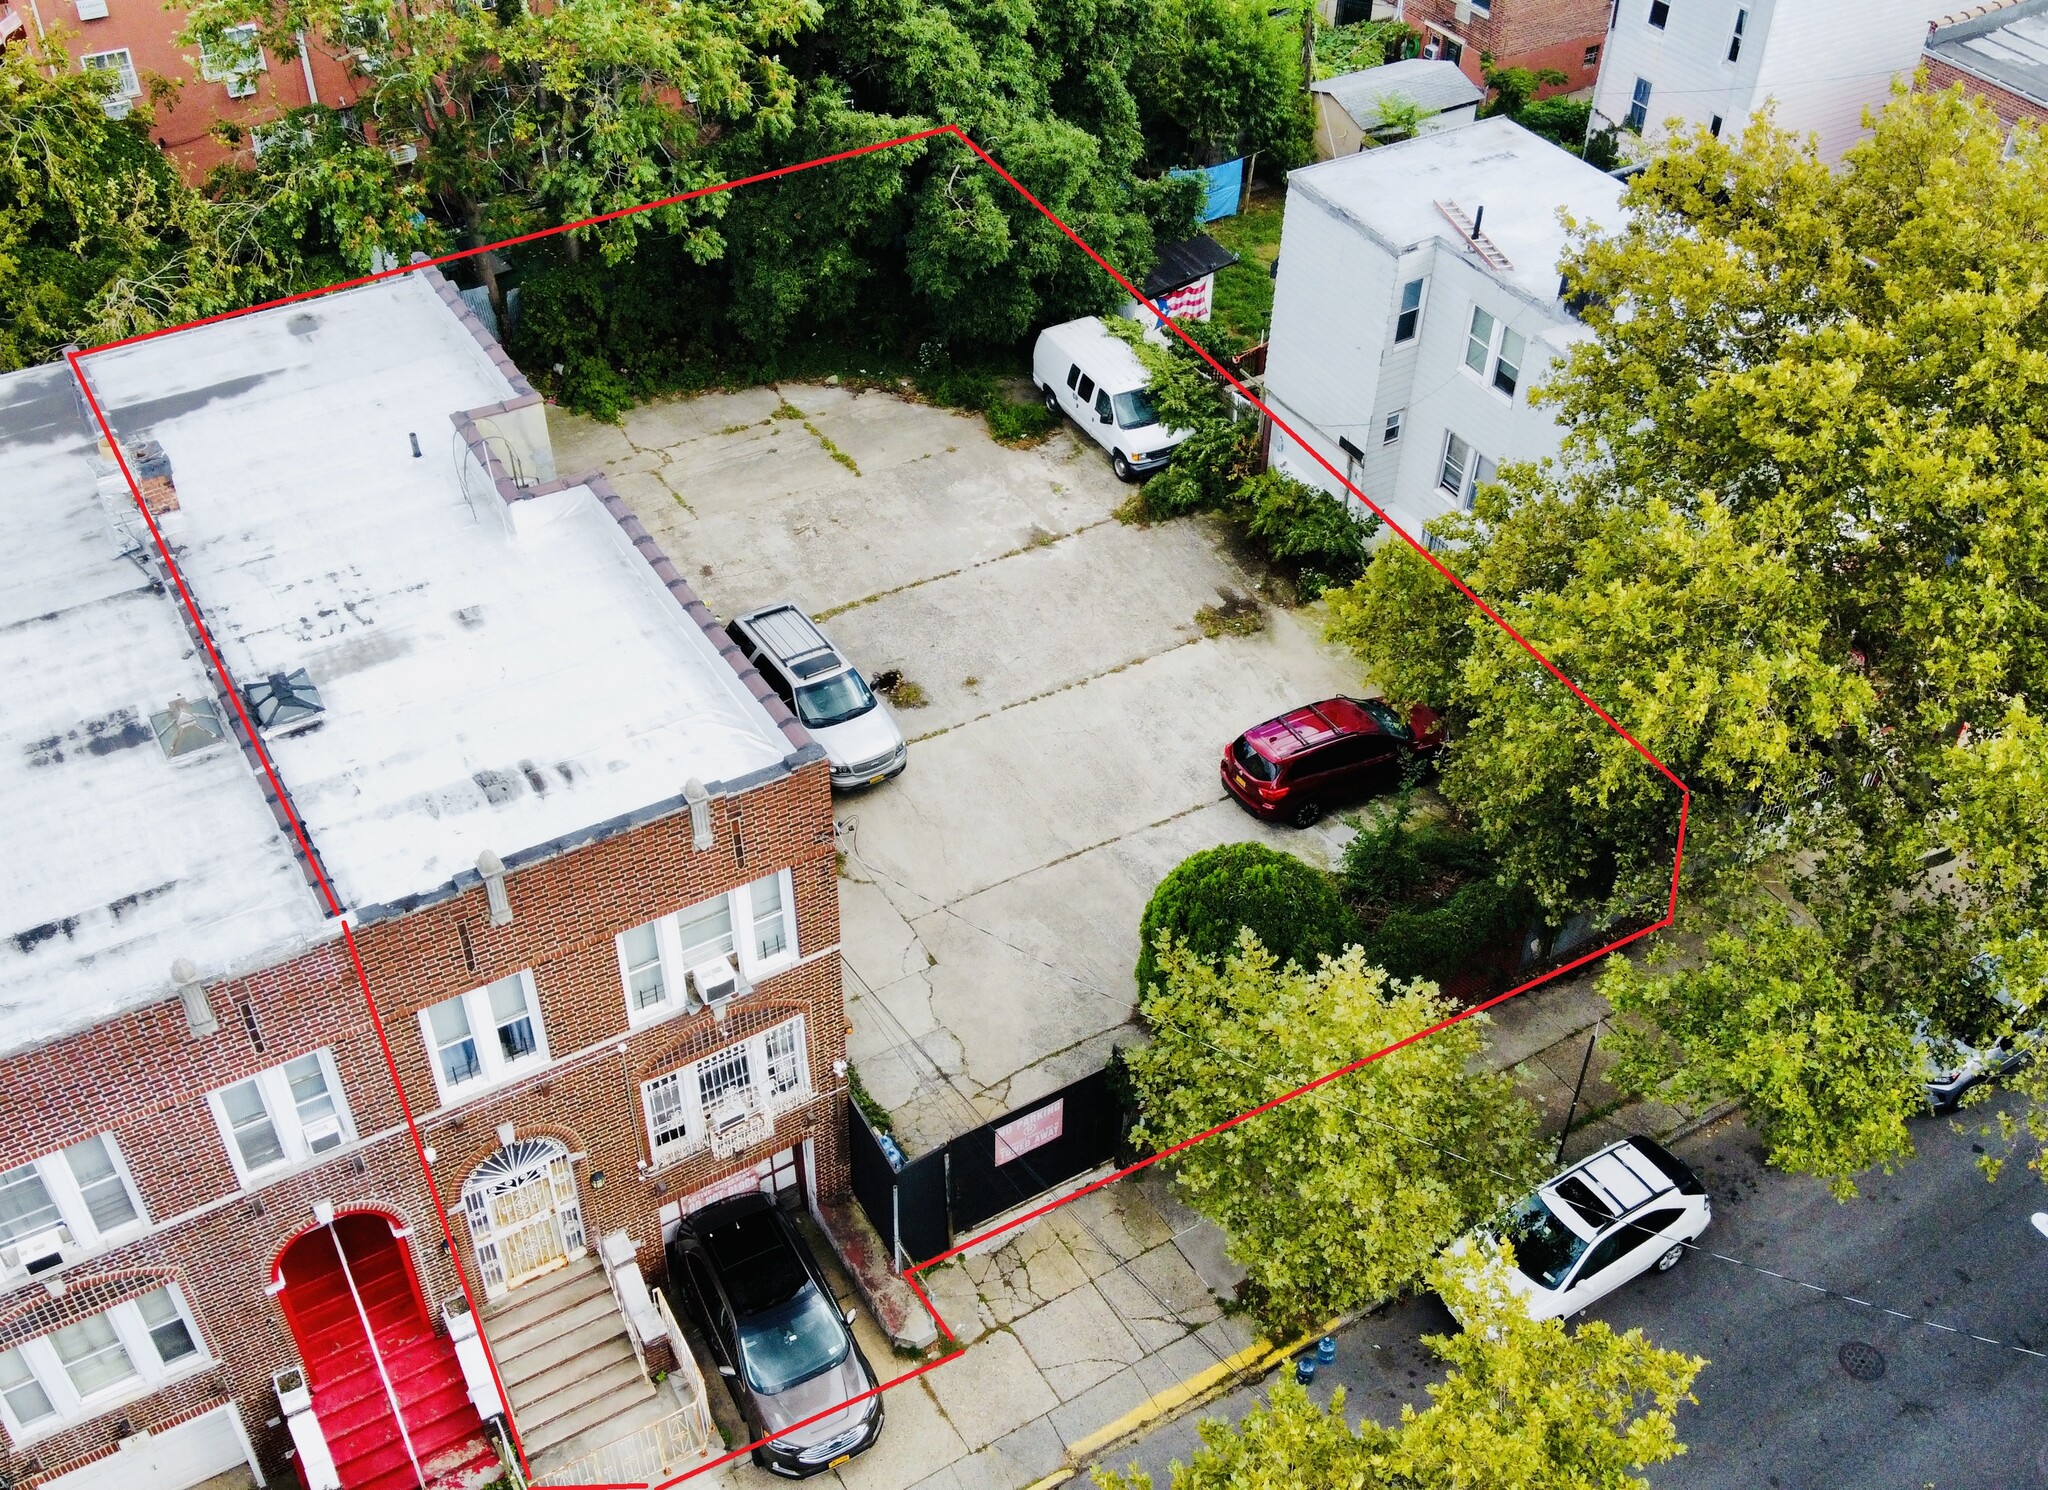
pixel 928 1204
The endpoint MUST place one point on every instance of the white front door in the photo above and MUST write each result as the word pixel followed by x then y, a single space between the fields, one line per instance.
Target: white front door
pixel 523 1213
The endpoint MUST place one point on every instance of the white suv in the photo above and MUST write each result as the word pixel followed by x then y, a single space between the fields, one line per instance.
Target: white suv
pixel 1628 1209
pixel 825 692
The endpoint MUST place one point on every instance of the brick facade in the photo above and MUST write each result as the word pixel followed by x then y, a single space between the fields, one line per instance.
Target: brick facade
pixel 1522 33
pixel 144 1078
pixel 2010 107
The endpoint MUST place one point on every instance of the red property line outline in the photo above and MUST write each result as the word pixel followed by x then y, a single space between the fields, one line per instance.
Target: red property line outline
pixel 910 1275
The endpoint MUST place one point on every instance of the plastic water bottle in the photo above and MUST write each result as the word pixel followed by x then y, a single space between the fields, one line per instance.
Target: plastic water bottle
pixel 1305 1370
pixel 1326 1350
pixel 889 1151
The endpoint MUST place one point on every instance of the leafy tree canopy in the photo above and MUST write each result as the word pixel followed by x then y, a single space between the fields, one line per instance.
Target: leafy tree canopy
pixel 1796 544
pixel 1211 898
pixel 1339 1198
pixel 1523 1406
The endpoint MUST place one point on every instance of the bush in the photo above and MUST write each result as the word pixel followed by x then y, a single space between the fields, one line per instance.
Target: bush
pixel 1390 858
pixel 1293 909
pixel 1561 120
pixel 1306 526
pixel 1447 939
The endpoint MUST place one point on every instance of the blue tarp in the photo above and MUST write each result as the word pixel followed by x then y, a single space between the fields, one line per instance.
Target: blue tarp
pixel 1226 186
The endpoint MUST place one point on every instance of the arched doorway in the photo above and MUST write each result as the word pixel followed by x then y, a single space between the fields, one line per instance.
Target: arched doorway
pixel 524 1217
pixel 387 1389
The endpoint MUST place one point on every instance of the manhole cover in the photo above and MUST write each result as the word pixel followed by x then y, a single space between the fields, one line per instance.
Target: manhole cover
pixel 1864 1362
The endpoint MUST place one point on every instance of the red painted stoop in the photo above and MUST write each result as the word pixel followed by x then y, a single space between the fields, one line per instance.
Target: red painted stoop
pixel 349 1397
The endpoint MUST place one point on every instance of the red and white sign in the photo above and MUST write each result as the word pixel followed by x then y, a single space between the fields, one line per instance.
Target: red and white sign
pixel 1034 1130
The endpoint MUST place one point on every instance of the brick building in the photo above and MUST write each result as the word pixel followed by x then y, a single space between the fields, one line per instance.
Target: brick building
pixel 1997 52
pixel 507 773
pixel 1564 34
pixel 135 39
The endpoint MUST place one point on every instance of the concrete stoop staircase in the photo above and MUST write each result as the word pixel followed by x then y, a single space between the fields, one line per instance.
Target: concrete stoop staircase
pixel 568 1366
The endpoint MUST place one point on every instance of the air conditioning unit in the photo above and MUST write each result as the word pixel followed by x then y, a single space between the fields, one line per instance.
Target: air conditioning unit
pixel 729 1114
pixel 38 1253
pixel 325 1134
pixel 715 981
pixel 117 108
pixel 403 155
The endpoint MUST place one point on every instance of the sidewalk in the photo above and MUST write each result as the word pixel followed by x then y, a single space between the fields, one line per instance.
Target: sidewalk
pixel 1108 1315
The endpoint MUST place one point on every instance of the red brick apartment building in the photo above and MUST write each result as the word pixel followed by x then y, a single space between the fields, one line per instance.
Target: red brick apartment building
pixel 138 38
pixel 586 856
pixel 1564 34
pixel 1999 53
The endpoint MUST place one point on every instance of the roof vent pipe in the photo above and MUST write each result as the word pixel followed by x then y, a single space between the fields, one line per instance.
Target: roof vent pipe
pixel 1478 217
pixel 192 994
pixel 492 868
pixel 700 813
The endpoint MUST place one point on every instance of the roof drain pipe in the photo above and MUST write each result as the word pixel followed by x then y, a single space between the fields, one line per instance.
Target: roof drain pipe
pixel 700 814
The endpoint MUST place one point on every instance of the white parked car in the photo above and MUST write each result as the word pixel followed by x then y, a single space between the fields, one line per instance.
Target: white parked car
pixel 825 691
pixel 1095 379
pixel 1628 1210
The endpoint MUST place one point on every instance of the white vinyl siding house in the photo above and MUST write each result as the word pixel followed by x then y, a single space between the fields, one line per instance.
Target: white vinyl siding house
pixel 1399 353
pixel 1821 62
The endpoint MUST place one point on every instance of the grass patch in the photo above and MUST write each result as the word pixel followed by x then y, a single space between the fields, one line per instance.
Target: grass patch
pixel 788 410
pixel 1133 512
pixel 1235 615
pixel 1243 303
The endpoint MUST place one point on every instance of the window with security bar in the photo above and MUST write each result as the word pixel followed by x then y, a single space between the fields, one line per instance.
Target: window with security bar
pixel 744 1077
pixel 724 1076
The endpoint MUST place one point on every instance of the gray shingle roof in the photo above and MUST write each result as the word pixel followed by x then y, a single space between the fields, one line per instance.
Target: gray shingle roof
pixel 1435 85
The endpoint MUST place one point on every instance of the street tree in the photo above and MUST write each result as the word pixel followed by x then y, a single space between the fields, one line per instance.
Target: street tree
pixel 1797 544
pixel 1525 1405
pixel 1338 1198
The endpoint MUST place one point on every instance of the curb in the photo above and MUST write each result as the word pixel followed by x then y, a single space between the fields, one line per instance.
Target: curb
pixel 1254 1361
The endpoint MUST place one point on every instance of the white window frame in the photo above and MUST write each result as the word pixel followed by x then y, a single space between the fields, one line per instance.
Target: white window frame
pixel 1638 116
pixel 152 1373
pixel 60 1184
pixel 282 1109
pixel 1475 470
pixel 1492 352
pixel 1390 429
pixel 1659 15
pixel 764 1091
pixel 494 1070
pixel 241 82
pixel 131 83
pixel 1735 39
pixel 1421 286
pixel 672 968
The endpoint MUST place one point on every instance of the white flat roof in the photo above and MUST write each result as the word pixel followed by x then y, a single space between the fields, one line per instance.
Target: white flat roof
pixel 1520 179
pixel 486 683
pixel 114 862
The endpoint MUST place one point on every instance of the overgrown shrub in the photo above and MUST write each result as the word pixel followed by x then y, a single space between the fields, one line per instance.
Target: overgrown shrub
pixel 1561 120
pixel 1292 907
pixel 1440 941
pixel 1392 858
pixel 1303 525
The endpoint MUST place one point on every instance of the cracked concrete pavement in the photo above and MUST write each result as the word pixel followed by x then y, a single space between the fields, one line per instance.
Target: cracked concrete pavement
pixel 1065 757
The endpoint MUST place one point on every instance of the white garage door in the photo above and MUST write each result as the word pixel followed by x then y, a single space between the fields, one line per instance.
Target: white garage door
pixel 170 1460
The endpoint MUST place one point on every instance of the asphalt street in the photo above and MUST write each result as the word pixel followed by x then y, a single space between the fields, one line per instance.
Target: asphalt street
pixel 1777 1407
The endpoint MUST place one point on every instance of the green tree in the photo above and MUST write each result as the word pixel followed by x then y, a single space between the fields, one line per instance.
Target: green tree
pixel 1211 898
pixel 1795 543
pixel 1525 1405
pixel 99 237
pixel 1338 1198
pixel 1215 79
pixel 531 117
pixel 1510 90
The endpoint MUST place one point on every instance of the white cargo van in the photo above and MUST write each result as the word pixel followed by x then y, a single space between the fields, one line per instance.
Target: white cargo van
pixel 1096 380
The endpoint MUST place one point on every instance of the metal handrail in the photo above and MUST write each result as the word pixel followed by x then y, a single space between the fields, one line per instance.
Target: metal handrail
pixel 646 1455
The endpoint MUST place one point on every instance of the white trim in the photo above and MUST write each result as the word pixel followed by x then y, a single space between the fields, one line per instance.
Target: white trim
pixel 494 1069
pixel 151 1373
pixel 131 83
pixel 673 960
pixel 60 1184
pixel 294 1137
pixel 680 1095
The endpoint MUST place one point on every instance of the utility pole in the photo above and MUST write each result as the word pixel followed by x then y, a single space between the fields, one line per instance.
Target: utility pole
pixel 1308 45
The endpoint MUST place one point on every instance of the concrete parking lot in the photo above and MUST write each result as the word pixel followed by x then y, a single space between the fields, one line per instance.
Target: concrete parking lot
pixel 1065 757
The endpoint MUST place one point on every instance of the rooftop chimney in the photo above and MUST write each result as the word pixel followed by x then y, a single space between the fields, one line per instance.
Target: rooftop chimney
pixel 153 476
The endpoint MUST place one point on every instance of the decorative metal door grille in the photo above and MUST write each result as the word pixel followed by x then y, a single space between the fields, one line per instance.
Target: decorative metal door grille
pixel 523 1213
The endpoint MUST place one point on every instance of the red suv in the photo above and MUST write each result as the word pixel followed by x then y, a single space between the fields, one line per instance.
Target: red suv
pixel 1291 768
